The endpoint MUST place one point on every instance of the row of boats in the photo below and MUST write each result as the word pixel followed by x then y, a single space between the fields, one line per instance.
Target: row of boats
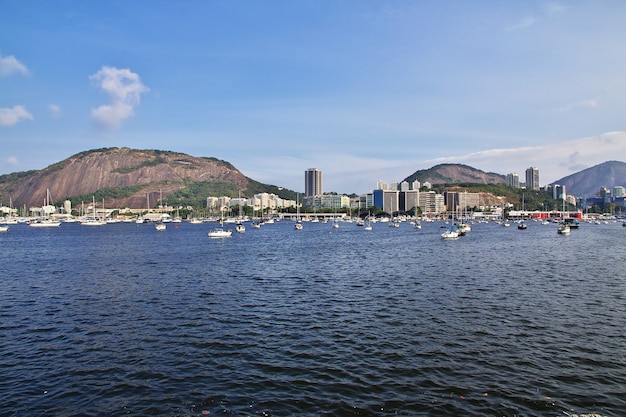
pixel 457 230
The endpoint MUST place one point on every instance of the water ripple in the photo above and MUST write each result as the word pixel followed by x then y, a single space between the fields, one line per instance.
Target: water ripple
pixel 394 322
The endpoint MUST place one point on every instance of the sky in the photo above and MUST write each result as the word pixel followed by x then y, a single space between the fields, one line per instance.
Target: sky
pixel 364 90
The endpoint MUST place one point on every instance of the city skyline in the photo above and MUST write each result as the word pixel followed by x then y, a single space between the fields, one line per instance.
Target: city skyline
pixel 360 89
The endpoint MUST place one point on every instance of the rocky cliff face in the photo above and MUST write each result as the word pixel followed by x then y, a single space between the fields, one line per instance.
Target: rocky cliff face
pixel 87 172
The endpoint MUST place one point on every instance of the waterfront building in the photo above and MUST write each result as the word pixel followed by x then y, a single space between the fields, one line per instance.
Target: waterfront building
pixel 312 182
pixel 366 200
pixel 459 202
pixel 619 191
pixel 387 200
pixel 431 203
pixel 210 202
pixel 8 211
pixel 409 200
pixel 532 178
pixel 395 200
pixel 327 201
pixel 222 202
pixel 334 201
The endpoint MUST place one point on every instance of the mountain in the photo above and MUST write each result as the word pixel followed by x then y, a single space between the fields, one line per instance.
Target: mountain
pixel 451 173
pixel 125 176
pixel 587 182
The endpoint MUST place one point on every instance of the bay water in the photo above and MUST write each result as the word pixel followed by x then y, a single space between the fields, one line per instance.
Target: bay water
pixel 124 320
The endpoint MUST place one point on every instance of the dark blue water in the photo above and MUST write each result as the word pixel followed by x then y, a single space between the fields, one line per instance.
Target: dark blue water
pixel 124 320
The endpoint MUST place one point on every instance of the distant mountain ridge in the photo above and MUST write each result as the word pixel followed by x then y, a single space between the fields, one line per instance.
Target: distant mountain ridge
pixel 451 173
pixel 587 182
pixel 126 175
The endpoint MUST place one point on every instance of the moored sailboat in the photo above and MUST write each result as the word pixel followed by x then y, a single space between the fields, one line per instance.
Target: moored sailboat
pixel 93 221
pixel 220 232
pixel 298 225
pixel 44 221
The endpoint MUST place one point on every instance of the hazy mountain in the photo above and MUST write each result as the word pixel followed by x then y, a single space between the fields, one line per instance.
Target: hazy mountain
pixel 587 182
pixel 451 173
pixel 125 176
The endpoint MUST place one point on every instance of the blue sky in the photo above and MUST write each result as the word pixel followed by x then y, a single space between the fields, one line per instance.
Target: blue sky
pixel 363 90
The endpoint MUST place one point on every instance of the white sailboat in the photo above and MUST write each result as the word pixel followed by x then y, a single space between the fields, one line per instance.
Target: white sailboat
pixel 93 221
pixel 220 232
pixel 453 232
pixel 298 225
pixel 10 219
pixel 368 224
pixel 417 223
pixel 564 228
pixel 450 234
pixel 239 226
pixel 43 221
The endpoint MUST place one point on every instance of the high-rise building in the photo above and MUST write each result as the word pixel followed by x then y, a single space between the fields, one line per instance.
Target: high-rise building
pixel 532 178
pixel 558 192
pixel 382 185
pixel 512 180
pixel 312 182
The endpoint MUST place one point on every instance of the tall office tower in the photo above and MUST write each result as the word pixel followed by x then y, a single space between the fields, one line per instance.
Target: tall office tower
pixel 532 178
pixel 512 180
pixel 312 182
pixel 558 192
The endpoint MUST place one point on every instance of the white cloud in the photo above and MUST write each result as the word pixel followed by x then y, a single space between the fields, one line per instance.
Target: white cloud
pixel 10 65
pixel 13 115
pixel 55 111
pixel 124 88
pixel 523 24
pixel 582 103
pixel 11 160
